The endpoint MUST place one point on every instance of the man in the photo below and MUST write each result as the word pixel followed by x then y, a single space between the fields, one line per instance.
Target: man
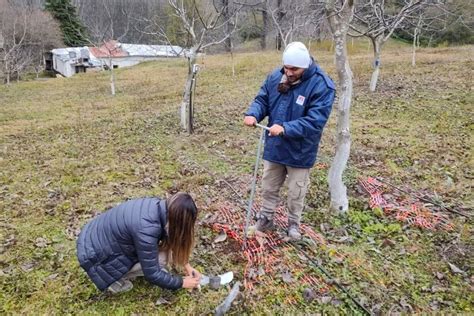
pixel 297 100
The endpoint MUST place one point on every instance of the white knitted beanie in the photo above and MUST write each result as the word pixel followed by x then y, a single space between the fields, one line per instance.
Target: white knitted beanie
pixel 296 54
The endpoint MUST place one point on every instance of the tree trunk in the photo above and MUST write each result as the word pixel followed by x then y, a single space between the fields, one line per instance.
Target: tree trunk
pixel 279 40
pixel 416 36
pixel 7 73
pixel 185 105
pixel 112 77
pixel 413 55
pixel 377 45
pixel 228 26
pixel 232 59
pixel 339 26
pixel 263 36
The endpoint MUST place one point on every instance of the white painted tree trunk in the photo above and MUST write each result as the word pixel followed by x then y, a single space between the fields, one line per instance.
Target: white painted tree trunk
pixel 375 75
pixel 374 78
pixel 415 44
pixel 339 26
pixel 339 200
pixel 112 77
pixel 185 105
pixel 232 59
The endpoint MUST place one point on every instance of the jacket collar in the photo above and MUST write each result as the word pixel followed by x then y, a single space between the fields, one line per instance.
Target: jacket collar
pixel 163 212
pixel 308 73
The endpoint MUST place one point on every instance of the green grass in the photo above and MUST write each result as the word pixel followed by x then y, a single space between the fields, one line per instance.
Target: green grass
pixel 69 150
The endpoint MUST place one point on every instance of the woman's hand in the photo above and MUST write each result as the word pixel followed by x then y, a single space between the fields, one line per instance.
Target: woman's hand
pixel 190 282
pixel 190 271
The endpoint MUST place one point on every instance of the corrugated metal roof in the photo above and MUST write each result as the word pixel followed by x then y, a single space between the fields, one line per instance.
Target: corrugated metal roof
pixel 108 49
pixel 153 50
pixel 115 49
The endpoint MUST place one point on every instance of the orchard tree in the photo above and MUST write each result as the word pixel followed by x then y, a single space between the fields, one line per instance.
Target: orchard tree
pixel 204 24
pixel 378 19
pixel 288 18
pixel 339 15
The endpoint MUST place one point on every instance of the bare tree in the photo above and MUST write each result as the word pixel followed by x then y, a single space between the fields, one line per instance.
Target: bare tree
pixel 122 12
pixel 265 26
pixel 14 29
pixel 27 33
pixel 378 19
pixel 339 16
pixel 105 36
pixel 431 18
pixel 288 18
pixel 277 16
pixel 204 26
pixel 226 7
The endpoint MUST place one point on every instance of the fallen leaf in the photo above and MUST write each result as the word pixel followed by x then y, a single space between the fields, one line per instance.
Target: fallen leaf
pixel 252 274
pixel 41 242
pixel 388 243
pixel 434 305
pixel 336 302
pixel 27 267
pixel 162 301
pixel 286 277
pixel 303 258
pixel 455 269
pixel 338 260
pixel 376 250
pixel 221 237
pixel 345 239
pixel 325 299
pixel 405 305
pixel 261 241
pixel 51 277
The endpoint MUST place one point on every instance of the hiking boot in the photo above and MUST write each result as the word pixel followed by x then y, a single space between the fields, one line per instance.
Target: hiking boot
pixel 294 232
pixel 120 286
pixel 264 224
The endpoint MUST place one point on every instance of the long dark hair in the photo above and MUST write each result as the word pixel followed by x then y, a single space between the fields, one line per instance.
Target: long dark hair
pixel 182 215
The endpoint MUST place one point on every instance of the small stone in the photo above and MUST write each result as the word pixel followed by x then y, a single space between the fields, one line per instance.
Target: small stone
pixel 286 277
pixel 308 295
pixel 439 275
pixel 41 242
pixel 27 267
pixel 325 299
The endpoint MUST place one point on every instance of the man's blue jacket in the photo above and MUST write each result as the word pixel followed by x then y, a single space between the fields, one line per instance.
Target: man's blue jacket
pixel 109 245
pixel 302 111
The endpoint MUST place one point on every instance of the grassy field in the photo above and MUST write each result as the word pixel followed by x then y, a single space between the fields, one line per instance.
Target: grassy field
pixel 69 150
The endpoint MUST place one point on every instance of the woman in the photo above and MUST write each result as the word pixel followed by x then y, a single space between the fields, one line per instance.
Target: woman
pixel 139 237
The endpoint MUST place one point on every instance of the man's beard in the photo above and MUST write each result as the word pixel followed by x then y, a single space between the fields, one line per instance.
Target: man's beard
pixel 286 84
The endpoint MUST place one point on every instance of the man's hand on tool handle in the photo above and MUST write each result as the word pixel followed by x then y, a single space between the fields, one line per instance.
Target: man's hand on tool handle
pixel 250 121
pixel 275 130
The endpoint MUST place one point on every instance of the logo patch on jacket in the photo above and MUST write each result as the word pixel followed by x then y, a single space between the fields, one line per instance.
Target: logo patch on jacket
pixel 300 100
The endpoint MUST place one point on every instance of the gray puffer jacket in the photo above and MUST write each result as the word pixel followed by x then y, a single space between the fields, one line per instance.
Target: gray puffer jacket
pixel 109 245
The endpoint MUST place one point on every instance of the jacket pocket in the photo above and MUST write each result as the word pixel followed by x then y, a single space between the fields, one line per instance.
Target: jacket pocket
pixel 299 189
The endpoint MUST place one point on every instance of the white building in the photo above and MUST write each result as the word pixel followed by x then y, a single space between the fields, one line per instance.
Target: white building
pixel 69 61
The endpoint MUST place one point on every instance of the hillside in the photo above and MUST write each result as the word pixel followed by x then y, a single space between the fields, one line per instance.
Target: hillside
pixel 69 150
